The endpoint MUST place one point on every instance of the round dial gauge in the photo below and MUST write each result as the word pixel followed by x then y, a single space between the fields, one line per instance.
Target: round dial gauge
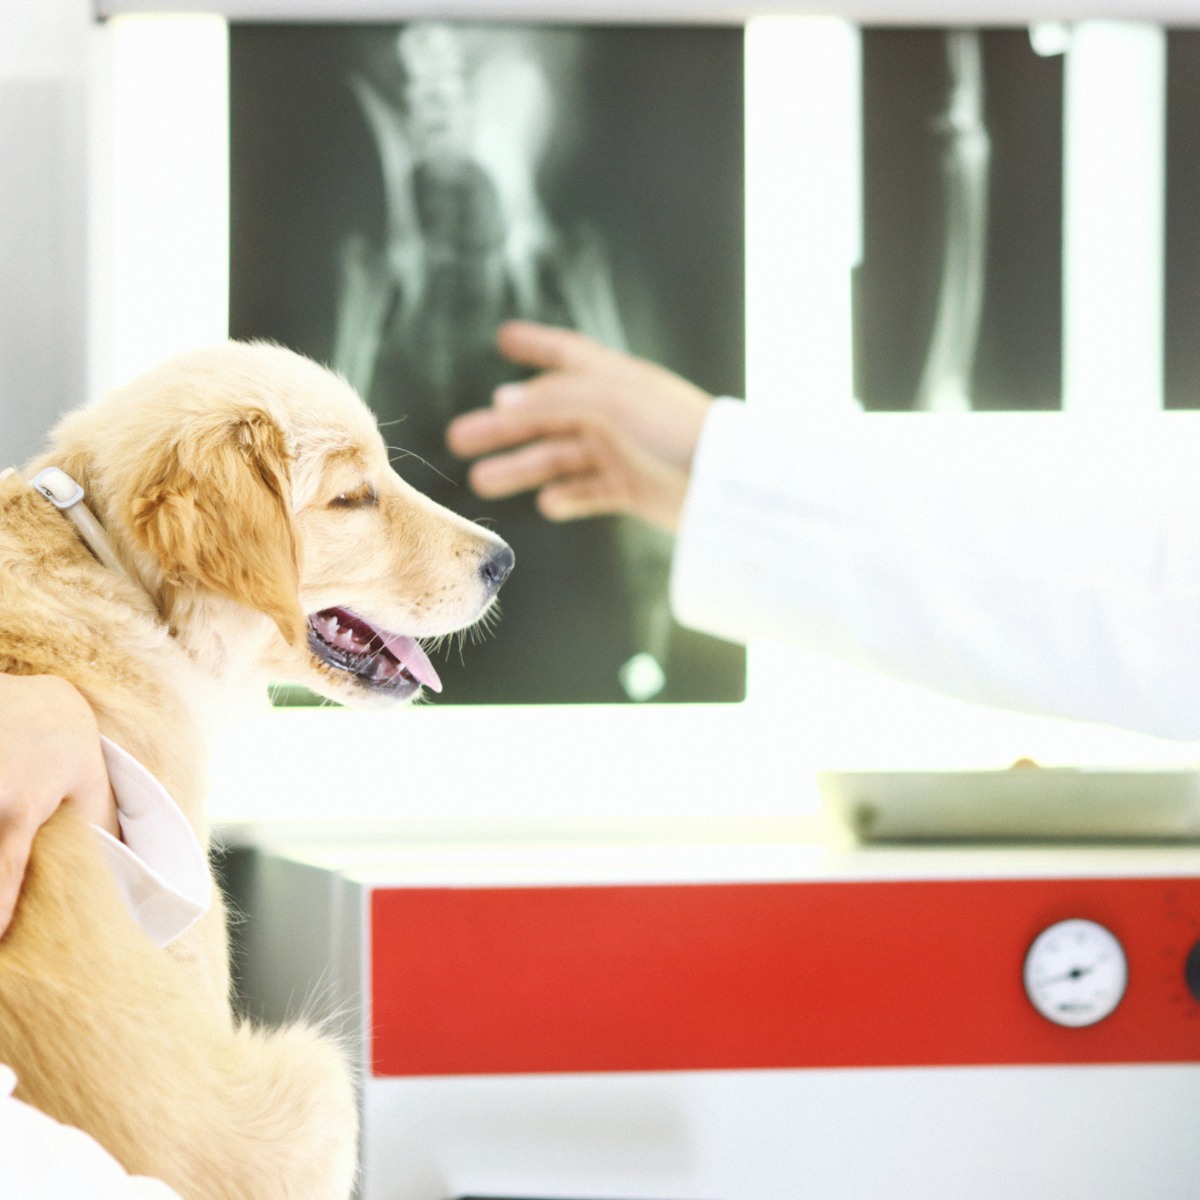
pixel 1075 973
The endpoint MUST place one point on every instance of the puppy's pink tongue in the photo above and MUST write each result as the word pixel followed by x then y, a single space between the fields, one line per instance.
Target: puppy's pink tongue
pixel 414 659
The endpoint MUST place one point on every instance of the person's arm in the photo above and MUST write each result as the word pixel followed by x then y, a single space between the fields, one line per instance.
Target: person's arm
pixel 50 754
pixel 1041 562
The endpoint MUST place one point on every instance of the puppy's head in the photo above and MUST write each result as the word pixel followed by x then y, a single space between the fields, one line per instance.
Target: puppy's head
pixel 251 490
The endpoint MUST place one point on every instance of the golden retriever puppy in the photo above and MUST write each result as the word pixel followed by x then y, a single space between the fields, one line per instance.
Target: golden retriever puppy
pixel 261 536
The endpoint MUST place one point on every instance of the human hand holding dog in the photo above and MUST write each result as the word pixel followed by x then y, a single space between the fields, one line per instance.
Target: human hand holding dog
pixel 597 431
pixel 50 754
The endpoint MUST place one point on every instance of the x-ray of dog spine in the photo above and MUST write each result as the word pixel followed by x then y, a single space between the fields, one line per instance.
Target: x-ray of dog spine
pixel 461 133
pixel 460 136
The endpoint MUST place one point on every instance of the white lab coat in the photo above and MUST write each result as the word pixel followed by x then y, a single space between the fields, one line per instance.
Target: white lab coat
pixel 162 871
pixel 1044 562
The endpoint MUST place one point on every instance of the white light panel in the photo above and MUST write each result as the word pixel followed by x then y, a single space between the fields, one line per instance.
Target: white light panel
pixel 160 285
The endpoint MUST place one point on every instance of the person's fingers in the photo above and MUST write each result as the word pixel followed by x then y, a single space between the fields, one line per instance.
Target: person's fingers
pixel 94 800
pixel 579 497
pixel 559 394
pixel 529 467
pixel 548 347
pixel 619 482
pixel 9 890
pixel 661 411
pixel 15 843
pixel 485 430
pixel 475 432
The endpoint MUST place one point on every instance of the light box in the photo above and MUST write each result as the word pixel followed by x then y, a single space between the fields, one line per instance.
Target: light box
pixel 161 237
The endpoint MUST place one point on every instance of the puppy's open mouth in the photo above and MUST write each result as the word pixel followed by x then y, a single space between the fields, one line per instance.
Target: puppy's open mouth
pixel 379 659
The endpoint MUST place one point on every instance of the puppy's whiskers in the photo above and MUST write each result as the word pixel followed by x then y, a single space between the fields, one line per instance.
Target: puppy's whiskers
pixel 399 453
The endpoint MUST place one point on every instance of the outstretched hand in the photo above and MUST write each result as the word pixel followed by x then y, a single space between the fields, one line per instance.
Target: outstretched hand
pixel 597 431
pixel 50 754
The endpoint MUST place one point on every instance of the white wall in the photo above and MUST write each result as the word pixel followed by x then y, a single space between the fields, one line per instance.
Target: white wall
pixel 43 217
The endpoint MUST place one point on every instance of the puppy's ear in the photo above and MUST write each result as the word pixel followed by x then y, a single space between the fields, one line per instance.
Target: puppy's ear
pixel 214 511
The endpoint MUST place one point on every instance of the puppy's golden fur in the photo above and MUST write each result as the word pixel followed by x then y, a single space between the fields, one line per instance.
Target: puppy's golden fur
pixel 244 489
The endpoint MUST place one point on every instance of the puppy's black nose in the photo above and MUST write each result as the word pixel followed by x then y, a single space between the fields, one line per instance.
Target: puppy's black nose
pixel 497 567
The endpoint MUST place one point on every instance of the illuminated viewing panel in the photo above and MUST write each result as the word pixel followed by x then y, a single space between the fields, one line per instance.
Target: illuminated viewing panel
pixel 429 180
pixel 816 216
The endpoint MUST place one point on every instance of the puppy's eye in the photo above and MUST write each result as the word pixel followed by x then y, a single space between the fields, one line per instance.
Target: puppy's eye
pixel 363 497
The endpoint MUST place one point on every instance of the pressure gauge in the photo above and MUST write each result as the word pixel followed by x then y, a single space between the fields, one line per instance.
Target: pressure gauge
pixel 1075 973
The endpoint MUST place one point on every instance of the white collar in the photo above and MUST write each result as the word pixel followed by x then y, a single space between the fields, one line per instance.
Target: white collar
pixel 67 496
pixel 158 864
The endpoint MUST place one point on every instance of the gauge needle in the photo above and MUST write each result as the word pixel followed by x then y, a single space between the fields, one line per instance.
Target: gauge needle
pixel 1073 973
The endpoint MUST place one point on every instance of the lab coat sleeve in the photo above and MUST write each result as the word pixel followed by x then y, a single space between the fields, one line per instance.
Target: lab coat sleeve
pixel 45 1160
pixel 1044 562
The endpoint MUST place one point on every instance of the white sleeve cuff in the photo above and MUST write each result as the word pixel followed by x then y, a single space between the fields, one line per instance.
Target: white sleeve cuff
pixel 725 576
pixel 160 866
pixel 46 1160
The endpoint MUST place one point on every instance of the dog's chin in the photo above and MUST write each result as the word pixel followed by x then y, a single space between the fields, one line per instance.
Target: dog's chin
pixel 344 688
pixel 360 663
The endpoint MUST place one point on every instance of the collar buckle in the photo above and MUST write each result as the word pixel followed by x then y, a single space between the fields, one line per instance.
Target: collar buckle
pixel 58 487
